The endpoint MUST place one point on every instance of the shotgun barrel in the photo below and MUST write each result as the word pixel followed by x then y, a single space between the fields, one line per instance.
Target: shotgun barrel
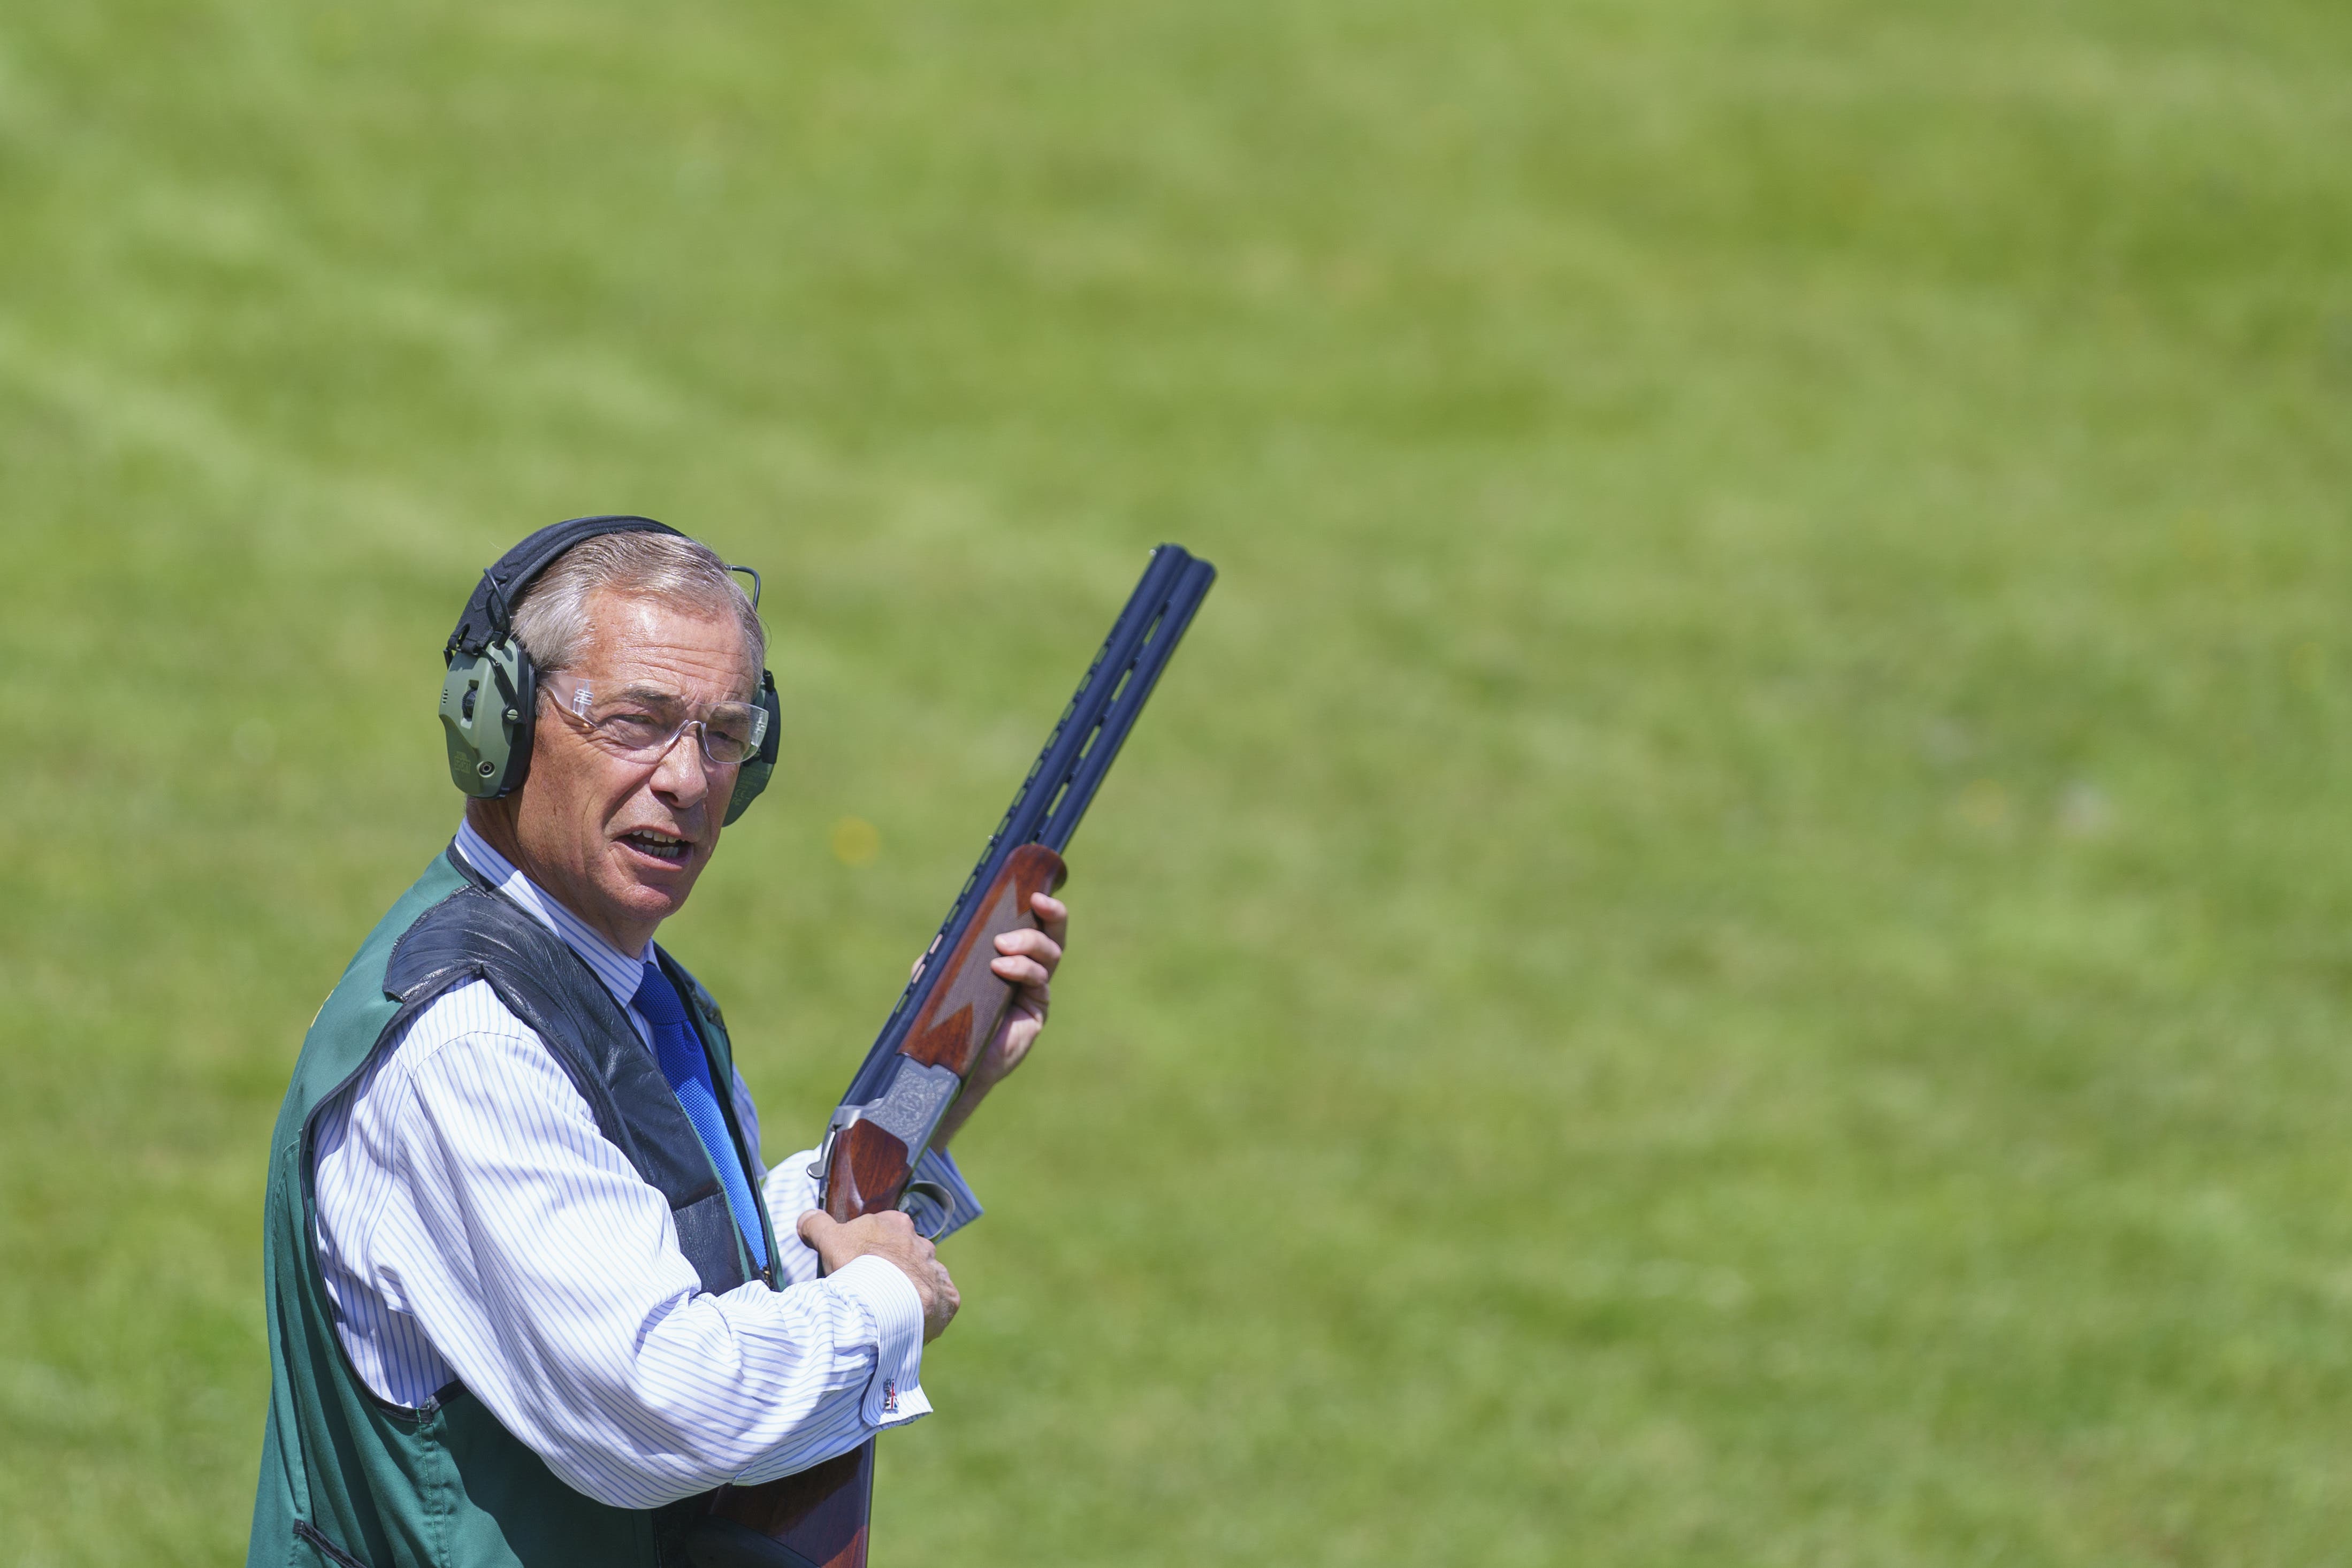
pixel 1063 781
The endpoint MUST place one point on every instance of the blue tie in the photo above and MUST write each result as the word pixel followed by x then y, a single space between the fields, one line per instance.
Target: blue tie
pixel 689 1071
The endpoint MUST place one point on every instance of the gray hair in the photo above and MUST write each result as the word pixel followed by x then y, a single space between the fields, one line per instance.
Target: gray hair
pixel 683 573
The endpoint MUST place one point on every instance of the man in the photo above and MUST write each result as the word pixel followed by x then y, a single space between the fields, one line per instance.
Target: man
pixel 527 1304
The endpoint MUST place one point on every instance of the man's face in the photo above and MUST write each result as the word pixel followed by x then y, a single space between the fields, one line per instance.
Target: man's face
pixel 620 842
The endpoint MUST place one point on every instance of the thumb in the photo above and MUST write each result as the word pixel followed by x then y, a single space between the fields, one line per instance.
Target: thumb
pixel 815 1225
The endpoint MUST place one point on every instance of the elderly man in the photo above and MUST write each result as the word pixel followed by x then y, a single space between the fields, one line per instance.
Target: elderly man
pixel 526 1301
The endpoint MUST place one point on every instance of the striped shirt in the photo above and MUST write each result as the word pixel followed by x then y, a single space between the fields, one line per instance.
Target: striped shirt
pixel 474 1228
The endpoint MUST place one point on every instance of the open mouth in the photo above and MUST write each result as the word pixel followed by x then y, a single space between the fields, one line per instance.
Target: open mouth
pixel 661 846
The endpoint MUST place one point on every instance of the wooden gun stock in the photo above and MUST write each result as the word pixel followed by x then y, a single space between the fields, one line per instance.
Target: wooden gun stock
pixel 820 1515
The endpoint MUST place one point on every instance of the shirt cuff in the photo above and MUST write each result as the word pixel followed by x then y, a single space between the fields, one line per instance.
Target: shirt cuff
pixel 896 1395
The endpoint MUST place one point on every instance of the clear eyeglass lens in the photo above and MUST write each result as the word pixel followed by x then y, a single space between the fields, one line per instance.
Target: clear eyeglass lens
pixel 635 733
pixel 731 731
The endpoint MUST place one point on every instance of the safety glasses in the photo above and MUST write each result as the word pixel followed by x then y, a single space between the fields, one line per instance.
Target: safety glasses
pixel 640 724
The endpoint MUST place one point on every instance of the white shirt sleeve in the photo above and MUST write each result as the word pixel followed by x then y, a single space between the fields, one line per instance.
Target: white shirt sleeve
pixel 468 1197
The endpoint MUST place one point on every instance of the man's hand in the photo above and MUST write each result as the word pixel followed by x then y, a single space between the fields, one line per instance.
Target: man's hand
pixel 889 1235
pixel 1027 958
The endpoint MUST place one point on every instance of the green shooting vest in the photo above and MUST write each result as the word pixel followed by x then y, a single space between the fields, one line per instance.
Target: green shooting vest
pixel 351 1481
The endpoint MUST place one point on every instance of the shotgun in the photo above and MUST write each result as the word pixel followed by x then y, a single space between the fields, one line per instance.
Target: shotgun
pixel 934 1037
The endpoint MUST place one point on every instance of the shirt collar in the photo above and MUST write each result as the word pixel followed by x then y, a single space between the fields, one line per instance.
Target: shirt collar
pixel 619 972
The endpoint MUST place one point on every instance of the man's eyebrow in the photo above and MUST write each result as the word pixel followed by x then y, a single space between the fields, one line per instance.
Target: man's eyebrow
pixel 657 695
pixel 648 695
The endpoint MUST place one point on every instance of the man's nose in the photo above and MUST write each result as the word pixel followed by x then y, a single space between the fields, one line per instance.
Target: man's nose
pixel 679 775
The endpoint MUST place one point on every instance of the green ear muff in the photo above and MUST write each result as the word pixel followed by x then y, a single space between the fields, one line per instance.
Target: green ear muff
pixel 488 705
pixel 753 777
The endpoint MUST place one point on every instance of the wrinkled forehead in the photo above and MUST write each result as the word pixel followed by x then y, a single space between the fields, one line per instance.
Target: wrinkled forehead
pixel 659 647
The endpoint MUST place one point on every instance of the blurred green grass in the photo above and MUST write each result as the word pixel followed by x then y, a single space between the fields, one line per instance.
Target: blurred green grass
pixel 1728 944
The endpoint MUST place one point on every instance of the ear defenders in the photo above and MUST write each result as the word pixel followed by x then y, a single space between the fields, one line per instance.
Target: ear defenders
pixel 490 700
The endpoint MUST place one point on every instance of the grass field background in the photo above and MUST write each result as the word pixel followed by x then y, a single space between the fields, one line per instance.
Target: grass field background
pixel 1729 944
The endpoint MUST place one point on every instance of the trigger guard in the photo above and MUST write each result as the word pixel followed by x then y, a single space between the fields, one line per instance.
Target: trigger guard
pixel 934 1194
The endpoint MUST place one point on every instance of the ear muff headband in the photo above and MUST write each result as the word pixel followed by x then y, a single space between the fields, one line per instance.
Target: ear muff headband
pixel 489 699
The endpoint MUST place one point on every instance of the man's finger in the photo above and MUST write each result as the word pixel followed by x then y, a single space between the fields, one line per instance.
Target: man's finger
pixel 1052 914
pixel 1031 942
pixel 1020 971
pixel 814 1223
pixel 1043 952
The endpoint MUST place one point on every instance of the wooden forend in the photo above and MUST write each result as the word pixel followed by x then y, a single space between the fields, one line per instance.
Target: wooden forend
pixel 963 1012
